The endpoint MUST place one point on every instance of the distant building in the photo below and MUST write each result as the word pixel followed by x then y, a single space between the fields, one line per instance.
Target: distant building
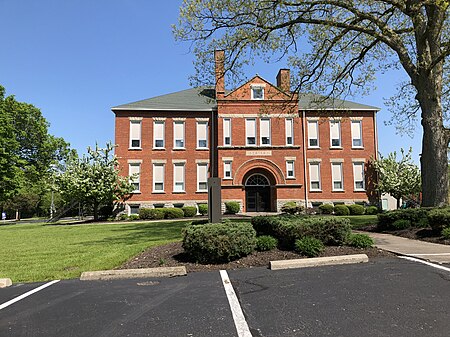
pixel 273 146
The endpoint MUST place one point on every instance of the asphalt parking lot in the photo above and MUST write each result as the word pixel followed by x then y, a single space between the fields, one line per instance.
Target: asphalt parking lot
pixel 385 297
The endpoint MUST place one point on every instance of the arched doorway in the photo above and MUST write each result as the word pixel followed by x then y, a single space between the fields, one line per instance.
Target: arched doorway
pixel 257 193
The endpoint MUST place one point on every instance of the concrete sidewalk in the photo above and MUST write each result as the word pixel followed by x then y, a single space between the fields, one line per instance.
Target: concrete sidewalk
pixel 432 252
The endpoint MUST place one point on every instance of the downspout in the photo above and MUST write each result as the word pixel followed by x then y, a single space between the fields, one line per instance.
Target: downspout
pixel 304 159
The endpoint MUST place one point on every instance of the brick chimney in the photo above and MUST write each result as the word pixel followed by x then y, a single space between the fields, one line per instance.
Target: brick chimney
pixel 284 80
pixel 219 59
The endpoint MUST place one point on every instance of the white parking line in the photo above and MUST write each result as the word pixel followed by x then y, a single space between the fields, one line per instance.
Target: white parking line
pixel 31 292
pixel 238 315
pixel 425 262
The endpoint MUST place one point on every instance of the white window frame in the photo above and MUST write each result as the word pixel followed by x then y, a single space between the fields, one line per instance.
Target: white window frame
pixel 247 132
pixel 362 165
pixel 134 137
pixel 163 177
pixel 316 124
pixel 292 168
pixel 227 167
pixel 357 137
pixel 155 139
pixel 182 181
pixel 205 125
pixel 136 180
pixel 319 189
pixel 334 122
pixel 183 140
pixel 199 180
pixel 337 179
pixel 289 130
pixel 259 88
pixel 226 131
pixel 261 129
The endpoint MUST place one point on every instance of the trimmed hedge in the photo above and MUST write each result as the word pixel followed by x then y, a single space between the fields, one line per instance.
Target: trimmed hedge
pixel 151 213
pixel 309 246
pixel 401 224
pixel 266 225
pixel 265 243
pixel 417 216
pixel 341 210
pixel 189 211
pixel 292 208
pixel 360 241
pixel 173 213
pixel 356 209
pixel 326 209
pixel 203 209
pixel 232 207
pixel 372 210
pixel 439 218
pixel 216 243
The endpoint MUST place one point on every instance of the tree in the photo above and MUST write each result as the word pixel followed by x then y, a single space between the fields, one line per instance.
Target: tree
pixel 337 47
pixel 398 178
pixel 27 151
pixel 94 179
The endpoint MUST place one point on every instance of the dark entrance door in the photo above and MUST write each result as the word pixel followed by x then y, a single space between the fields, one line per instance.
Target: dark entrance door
pixel 257 194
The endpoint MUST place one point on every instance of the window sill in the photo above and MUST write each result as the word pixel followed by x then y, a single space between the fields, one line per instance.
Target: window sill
pixel 179 149
pixel 158 192
pixel 336 148
pixel 313 147
pixel 135 149
pixel 357 147
pixel 338 191
pixel 204 191
pixel 315 191
pixel 136 192
pixel 227 178
pixel 290 178
pixel 178 192
pixel 359 190
pixel 202 148
pixel 159 149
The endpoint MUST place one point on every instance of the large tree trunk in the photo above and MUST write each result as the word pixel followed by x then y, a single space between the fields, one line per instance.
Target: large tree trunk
pixel 434 163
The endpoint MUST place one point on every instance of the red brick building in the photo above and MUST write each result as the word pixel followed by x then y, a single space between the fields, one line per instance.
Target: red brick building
pixel 273 146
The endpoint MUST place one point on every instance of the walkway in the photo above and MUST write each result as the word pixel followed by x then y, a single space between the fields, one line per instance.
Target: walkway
pixel 432 252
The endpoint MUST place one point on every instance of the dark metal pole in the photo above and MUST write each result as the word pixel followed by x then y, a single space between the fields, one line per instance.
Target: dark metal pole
pixel 214 182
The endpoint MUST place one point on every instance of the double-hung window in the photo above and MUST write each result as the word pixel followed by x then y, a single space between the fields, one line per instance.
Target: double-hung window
pixel 135 134
pixel 358 176
pixel 289 126
pixel 264 129
pixel 134 171
pixel 178 177
pixel 336 176
pixel 335 133
pixel 357 134
pixel 227 169
pixel 158 177
pixel 313 134
pixel 178 135
pixel 314 176
pixel 202 135
pixel 202 177
pixel 158 134
pixel 250 131
pixel 227 131
pixel 290 173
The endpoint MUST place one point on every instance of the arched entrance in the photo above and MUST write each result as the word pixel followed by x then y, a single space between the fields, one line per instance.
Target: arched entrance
pixel 257 193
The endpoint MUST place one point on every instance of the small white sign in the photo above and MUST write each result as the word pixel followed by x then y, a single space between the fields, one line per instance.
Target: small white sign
pixel 258 153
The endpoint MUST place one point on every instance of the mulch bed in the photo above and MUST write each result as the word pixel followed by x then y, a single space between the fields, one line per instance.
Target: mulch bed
pixel 172 255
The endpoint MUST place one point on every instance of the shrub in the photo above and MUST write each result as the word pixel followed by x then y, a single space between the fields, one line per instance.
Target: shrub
pixel 266 242
pixel 439 218
pixel 356 209
pixel 341 210
pixel 326 209
pixel 173 213
pixel 446 233
pixel 309 246
pixel 414 215
pixel 232 207
pixel 132 217
pixel 123 217
pixel 203 209
pixel 291 207
pixel 266 225
pixel 215 243
pixel 360 241
pixel 401 224
pixel 371 210
pixel 189 211
pixel 151 213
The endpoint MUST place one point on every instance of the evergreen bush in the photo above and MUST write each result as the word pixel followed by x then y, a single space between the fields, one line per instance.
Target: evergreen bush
pixel 341 210
pixel 360 241
pixel 189 211
pixel 356 209
pixel 326 208
pixel 265 243
pixel 309 246
pixel 203 209
pixel 232 207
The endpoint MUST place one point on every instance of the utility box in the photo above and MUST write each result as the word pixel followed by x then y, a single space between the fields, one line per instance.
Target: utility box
pixel 214 200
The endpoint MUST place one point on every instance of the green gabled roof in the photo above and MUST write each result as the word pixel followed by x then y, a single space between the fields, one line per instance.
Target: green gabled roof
pixel 203 99
pixel 195 99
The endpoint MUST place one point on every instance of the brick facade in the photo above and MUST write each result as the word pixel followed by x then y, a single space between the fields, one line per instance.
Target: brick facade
pixel 263 158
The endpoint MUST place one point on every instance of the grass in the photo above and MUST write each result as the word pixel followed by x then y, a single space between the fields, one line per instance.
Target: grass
pixel 41 252
pixel 358 221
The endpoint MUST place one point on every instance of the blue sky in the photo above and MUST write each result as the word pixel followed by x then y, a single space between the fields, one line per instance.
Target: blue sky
pixel 76 59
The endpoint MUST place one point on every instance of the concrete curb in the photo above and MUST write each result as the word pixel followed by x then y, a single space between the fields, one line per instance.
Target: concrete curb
pixel 318 261
pixel 5 282
pixel 133 273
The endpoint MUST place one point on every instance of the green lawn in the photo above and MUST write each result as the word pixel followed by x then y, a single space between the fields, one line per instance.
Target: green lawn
pixel 40 252
pixel 358 221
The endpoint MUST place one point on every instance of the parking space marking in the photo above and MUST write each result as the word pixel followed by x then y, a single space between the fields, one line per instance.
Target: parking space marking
pixel 236 310
pixel 31 292
pixel 425 262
